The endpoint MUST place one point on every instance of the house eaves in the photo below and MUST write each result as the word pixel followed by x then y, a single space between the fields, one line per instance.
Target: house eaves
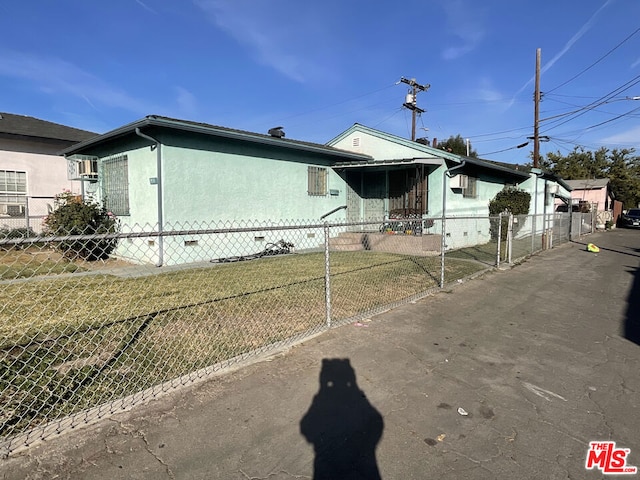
pixel 213 131
pixel 558 180
pixel 431 152
pixel 589 183
pixel 525 169
pixel 393 162
pixel 494 167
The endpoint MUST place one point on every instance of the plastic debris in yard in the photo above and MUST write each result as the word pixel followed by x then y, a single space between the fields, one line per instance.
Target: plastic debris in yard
pixel 462 412
pixel 592 248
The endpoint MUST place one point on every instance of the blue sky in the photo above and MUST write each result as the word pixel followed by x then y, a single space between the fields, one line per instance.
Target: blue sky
pixel 318 67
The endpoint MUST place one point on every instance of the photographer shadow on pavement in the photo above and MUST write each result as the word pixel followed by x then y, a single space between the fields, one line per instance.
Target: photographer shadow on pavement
pixel 343 427
pixel 632 320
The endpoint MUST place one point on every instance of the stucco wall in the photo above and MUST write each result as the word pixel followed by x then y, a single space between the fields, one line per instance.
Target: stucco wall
pixel 215 183
pixel 46 174
pixel 378 148
pixel 598 196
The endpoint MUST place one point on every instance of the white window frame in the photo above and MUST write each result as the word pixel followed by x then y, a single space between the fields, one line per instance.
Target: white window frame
pixel 14 191
pixel 471 191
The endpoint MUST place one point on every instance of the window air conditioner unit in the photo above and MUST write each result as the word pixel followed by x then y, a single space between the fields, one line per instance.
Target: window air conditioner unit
pixel 13 210
pixel 459 181
pixel 88 168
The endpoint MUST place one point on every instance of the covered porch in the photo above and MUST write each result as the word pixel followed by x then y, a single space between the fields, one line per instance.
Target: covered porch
pixel 393 193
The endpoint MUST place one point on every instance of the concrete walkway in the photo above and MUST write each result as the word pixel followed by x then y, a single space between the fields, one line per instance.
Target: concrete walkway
pixel 508 376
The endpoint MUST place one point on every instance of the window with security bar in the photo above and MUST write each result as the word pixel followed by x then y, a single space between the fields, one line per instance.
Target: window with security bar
pixel 471 189
pixel 317 181
pixel 115 184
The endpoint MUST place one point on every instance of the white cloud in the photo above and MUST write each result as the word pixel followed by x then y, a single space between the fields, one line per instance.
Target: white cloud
pixel 187 102
pixel 567 46
pixel 54 76
pixel 636 63
pixel 487 92
pixel 146 7
pixel 463 22
pixel 279 34
pixel 629 137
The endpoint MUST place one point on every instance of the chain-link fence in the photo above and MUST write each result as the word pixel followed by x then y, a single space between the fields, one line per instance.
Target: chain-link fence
pixel 93 323
pixel 24 213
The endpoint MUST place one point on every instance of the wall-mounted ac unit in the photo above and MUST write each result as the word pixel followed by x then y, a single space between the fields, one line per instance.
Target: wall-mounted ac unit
pixel 12 209
pixel 88 168
pixel 459 181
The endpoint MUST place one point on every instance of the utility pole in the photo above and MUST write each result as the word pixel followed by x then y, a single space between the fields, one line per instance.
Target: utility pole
pixel 536 121
pixel 411 101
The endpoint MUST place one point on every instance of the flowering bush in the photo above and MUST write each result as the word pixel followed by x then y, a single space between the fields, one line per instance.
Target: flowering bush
pixel 74 216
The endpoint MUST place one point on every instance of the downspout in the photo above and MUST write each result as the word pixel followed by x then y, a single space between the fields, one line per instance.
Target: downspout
pixel 443 245
pixel 157 147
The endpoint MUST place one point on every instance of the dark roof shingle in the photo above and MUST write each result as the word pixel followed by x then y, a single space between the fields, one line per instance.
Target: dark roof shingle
pixel 23 125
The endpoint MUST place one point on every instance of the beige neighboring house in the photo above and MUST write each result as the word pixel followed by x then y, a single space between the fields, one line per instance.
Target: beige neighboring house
pixel 31 171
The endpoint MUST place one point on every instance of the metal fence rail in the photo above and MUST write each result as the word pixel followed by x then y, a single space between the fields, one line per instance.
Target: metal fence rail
pixel 158 308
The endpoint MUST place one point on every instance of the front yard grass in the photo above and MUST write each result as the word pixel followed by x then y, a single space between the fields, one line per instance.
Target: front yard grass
pixel 69 343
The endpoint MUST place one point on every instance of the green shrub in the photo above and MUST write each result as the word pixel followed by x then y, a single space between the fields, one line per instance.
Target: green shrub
pixel 74 216
pixel 511 200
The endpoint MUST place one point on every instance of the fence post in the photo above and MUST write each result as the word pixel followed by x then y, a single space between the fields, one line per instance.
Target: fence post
pixel 533 234
pixel 26 215
pixel 443 247
pixel 327 276
pixel 499 240
pixel 580 225
pixel 510 238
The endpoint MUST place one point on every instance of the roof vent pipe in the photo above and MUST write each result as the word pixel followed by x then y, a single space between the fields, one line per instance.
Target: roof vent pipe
pixel 276 132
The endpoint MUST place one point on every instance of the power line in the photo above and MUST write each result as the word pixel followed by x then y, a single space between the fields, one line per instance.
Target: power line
pixel 498 151
pixel 601 101
pixel 389 117
pixel 596 62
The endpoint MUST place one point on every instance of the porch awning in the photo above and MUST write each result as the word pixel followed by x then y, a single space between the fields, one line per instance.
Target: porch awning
pixel 391 162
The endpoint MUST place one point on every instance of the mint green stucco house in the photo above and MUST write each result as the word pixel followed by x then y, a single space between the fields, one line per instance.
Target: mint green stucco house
pixel 408 178
pixel 163 174
pixel 160 175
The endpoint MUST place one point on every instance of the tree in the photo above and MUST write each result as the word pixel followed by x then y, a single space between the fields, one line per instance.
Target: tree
pixel 578 164
pixel 621 167
pixel 624 177
pixel 457 145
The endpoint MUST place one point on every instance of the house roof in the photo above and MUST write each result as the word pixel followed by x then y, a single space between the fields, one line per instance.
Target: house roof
pixel 214 131
pixel 588 183
pixel 25 126
pixel 428 151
